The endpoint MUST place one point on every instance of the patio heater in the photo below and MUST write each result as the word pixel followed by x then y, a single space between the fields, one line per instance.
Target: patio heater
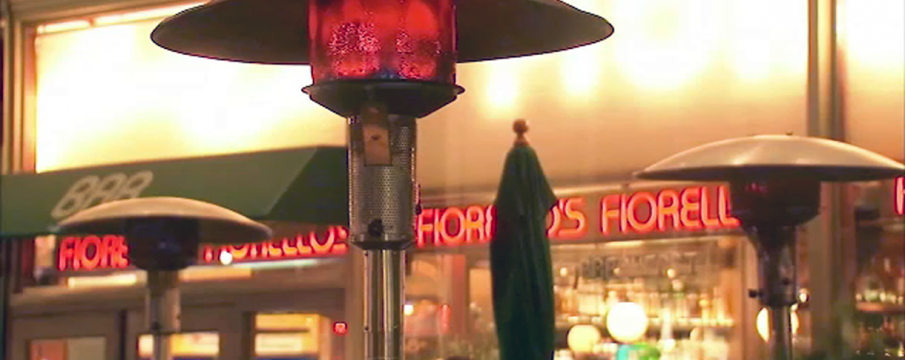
pixel 775 185
pixel 163 235
pixel 381 64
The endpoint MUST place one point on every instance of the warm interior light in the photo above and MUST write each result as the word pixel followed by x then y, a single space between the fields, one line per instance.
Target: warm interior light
pixel 409 309
pixel 155 13
pixel 111 88
pixel 217 273
pixel 226 257
pixel 107 94
pixel 503 86
pixel 666 44
pixel 186 344
pixel 116 280
pixel 762 322
pixel 63 26
pixel 871 32
pixel 583 338
pixel 626 322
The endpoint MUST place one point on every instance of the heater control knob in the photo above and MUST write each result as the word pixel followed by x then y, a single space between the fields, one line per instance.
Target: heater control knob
pixel 375 228
pixel 754 294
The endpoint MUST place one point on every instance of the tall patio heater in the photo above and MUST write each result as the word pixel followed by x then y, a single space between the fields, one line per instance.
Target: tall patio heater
pixel 381 64
pixel 774 182
pixel 163 234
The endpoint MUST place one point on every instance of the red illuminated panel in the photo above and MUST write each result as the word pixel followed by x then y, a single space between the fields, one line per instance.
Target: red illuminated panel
pixel 402 39
pixel 340 328
pixel 899 197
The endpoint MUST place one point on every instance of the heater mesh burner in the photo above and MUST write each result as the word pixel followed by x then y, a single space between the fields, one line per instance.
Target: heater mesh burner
pixel 383 194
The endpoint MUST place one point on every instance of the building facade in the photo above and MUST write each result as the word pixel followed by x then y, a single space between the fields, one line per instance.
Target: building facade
pixel 87 93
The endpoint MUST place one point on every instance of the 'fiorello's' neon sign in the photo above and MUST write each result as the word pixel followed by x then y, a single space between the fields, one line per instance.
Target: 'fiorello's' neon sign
pixel 612 216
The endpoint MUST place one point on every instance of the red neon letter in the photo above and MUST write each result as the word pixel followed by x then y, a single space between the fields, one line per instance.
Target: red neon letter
pixel 207 252
pixel 607 214
pixel 425 227
pixel 304 249
pixel 488 221
pixel 289 250
pixel 725 218
pixel 707 210
pixel 339 247
pixel 322 248
pixel 690 205
pixel 88 261
pixel 117 251
pixel 899 200
pixel 66 253
pixel 668 207
pixel 572 208
pixel 632 213
pixel 450 239
pixel 555 217
pixel 474 223
pixel 241 252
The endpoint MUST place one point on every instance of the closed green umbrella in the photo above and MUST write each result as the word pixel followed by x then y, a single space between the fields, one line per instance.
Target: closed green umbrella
pixel 521 271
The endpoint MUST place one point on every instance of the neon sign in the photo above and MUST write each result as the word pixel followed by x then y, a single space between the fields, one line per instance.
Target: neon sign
pixel 453 226
pixel 110 252
pixel 899 198
pixel 690 209
pixel 92 252
pixel 302 246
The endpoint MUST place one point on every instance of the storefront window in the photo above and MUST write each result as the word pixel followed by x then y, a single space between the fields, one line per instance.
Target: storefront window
pixel 184 346
pixel 292 336
pixel 690 292
pixel 85 348
pixel 675 75
pixel 879 288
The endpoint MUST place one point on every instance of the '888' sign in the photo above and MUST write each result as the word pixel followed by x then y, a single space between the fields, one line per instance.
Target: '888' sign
pixel 95 190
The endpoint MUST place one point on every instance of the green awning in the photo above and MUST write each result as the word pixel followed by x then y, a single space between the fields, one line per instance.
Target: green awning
pixel 305 185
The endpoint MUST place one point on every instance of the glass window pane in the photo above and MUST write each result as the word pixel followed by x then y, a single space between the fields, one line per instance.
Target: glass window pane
pixel 292 336
pixel 81 348
pixel 195 346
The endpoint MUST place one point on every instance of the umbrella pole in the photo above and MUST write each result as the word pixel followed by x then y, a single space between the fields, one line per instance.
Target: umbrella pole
pixel 6 289
pixel 162 307
pixel 381 219
pixel 778 279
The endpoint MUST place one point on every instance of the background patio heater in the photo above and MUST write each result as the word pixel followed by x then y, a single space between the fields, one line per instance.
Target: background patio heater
pixel 381 64
pixel 163 235
pixel 774 182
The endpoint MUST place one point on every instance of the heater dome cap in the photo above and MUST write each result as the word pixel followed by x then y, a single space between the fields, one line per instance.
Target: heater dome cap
pixel 775 155
pixel 218 225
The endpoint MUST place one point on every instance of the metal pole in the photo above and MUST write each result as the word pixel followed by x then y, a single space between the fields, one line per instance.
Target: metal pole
pixel 6 277
pixel 162 310
pixel 778 282
pixel 781 332
pixel 384 292
pixel 381 218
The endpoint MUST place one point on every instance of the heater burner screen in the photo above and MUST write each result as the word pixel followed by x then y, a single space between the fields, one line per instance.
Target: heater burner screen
pixel 384 39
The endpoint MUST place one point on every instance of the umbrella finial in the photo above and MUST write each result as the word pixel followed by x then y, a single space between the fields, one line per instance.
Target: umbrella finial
pixel 520 127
